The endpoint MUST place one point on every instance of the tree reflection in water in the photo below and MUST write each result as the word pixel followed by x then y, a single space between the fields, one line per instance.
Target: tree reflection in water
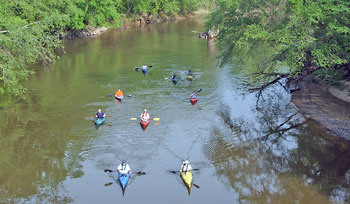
pixel 279 157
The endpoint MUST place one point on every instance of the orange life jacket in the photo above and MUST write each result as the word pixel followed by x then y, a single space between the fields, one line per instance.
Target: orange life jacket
pixel 119 93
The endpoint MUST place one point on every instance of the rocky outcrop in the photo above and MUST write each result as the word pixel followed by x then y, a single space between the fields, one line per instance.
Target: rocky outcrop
pixel 86 32
pixel 149 19
pixel 318 104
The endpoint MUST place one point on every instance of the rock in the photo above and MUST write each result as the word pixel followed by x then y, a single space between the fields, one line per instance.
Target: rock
pixel 213 33
pixel 86 32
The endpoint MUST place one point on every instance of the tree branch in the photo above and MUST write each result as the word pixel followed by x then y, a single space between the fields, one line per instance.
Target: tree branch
pixel 7 31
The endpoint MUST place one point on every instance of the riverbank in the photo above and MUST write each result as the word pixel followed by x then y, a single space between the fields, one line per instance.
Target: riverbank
pixel 138 20
pixel 321 104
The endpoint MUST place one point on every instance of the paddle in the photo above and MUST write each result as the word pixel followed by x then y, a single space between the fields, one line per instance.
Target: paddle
pixel 155 119
pixel 90 116
pixel 174 172
pixel 110 95
pixel 138 173
pixel 137 68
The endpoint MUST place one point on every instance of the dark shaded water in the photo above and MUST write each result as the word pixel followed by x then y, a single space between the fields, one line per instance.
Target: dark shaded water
pixel 50 151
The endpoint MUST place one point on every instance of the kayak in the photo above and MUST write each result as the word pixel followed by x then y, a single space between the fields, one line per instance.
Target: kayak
pixel 120 98
pixel 144 71
pixel 99 121
pixel 187 179
pixel 123 179
pixel 189 77
pixel 193 100
pixel 144 124
pixel 175 80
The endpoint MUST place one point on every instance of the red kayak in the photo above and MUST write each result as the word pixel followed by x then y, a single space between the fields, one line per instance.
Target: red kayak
pixel 193 100
pixel 144 124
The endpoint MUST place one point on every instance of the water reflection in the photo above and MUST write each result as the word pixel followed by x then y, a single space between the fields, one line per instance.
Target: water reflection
pixel 279 157
pixel 33 157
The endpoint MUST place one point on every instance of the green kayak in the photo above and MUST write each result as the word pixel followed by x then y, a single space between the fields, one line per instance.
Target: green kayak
pixel 99 121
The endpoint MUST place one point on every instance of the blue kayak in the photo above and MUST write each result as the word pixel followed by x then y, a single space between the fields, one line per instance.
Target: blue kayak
pixel 144 71
pixel 175 80
pixel 99 121
pixel 123 179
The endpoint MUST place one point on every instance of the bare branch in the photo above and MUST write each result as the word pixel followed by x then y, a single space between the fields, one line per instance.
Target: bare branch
pixel 7 31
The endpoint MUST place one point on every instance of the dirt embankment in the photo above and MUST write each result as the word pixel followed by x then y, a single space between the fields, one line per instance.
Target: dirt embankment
pixel 318 104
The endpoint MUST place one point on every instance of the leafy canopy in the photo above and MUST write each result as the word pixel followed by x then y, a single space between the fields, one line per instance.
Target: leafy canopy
pixel 301 33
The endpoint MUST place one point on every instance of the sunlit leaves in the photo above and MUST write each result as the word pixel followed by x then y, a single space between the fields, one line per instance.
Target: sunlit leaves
pixel 301 33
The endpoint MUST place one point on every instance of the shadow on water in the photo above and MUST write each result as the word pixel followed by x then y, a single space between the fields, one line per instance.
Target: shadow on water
pixel 280 157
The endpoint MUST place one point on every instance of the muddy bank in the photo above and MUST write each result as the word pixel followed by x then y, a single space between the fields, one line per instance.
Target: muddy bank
pixel 318 104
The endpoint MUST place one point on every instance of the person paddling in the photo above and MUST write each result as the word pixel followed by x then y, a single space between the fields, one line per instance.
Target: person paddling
pixel 189 75
pixel 185 167
pixel 174 77
pixel 118 93
pixel 194 95
pixel 145 116
pixel 100 114
pixel 144 69
pixel 124 168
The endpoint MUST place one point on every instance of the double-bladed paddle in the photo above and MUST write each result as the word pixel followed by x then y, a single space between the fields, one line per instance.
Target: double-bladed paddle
pixel 155 119
pixel 110 95
pixel 90 116
pixel 137 68
pixel 138 173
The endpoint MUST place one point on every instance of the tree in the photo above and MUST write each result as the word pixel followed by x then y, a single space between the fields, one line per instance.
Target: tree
pixel 304 35
pixel 27 36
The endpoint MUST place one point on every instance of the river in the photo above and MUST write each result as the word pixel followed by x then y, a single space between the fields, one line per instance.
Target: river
pixel 51 152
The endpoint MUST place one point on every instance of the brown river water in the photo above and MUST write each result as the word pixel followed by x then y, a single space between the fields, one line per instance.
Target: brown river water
pixel 51 152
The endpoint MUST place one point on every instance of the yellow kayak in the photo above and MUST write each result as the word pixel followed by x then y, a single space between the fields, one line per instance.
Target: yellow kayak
pixel 187 179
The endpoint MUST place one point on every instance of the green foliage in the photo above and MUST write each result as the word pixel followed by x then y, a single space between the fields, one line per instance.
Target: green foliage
pixel 312 33
pixel 29 29
pixel 28 36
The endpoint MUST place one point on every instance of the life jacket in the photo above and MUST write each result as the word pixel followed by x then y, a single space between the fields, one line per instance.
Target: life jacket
pixel 100 115
pixel 184 168
pixel 124 166
pixel 119 93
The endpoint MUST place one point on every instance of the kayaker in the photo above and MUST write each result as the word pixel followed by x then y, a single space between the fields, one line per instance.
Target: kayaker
pixel 189 73
pixel 124 168
pixel 119 93
pixel 174 77
pixel 144 69
pixel 185 167
pixel 100 114
pixel 145 116
pixel 194 94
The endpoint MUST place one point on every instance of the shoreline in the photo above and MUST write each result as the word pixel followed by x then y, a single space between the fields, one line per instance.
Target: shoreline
pixel 139 20
pixel 322 105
